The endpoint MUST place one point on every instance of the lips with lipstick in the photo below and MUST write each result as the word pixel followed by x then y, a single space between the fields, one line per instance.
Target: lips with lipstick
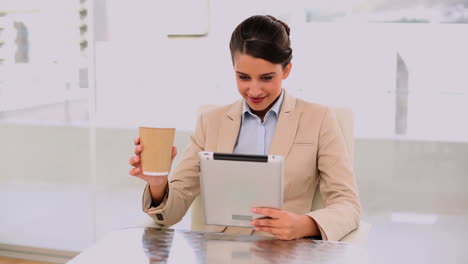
pixel 256 100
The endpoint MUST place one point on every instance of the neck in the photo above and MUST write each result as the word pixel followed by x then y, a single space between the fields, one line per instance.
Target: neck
pixel 263 112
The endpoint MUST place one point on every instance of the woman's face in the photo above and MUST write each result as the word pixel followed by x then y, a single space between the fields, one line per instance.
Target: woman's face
pixel 259 81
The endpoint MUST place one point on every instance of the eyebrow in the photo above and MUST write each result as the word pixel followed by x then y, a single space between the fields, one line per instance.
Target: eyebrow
pixel 263 74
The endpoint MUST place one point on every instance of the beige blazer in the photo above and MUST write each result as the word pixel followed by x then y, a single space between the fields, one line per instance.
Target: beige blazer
pixel 309 138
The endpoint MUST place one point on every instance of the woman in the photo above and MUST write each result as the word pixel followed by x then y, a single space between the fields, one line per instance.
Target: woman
pixel 266 120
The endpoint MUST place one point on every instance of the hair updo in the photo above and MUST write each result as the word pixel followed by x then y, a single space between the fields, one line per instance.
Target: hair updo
pixel 263 37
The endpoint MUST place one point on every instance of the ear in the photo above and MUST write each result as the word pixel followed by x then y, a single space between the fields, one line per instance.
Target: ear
pixel 287 70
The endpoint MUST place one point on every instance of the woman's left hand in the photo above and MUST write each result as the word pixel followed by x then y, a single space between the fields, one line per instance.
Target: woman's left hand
pixel 284 225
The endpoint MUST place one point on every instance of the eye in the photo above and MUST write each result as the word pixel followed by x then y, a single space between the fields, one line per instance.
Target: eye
pixel 243 77
pixel 267 78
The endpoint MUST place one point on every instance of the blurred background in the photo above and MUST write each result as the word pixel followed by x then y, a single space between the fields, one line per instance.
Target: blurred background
pixel 77 77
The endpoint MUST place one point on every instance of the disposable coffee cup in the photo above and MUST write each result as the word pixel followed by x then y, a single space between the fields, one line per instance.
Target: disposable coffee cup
pixel 156 157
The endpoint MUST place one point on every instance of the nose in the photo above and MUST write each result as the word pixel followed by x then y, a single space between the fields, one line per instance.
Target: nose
pixel 255 89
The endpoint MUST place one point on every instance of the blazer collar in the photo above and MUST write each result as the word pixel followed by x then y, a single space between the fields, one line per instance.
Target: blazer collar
pixel 289 103
pixel 229 130
pixel 284 133
pixel 286 127
pixel 235 110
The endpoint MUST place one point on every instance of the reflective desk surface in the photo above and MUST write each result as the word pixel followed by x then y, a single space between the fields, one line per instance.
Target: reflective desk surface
pixel 154 245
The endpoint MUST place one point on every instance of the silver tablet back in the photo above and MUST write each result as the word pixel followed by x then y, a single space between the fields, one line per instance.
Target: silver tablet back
pixel 232 184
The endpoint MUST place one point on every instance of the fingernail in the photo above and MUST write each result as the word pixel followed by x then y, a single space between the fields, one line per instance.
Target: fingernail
pixel 254 210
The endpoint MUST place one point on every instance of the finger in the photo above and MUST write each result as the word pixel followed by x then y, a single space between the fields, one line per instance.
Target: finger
pixel 134 161
pixel 273 213
pixel 138 149
pixel 136 141
pixel 265 223
pixel 174 152
pixel 135 172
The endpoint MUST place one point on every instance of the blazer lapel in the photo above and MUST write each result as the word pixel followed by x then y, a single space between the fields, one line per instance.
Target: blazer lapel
pixel 229 130
pixel 286 127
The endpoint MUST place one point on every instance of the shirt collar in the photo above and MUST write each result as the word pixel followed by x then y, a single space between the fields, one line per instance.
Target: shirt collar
pixel 275 108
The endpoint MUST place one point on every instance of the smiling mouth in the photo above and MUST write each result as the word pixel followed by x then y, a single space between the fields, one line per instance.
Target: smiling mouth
pixel 256 100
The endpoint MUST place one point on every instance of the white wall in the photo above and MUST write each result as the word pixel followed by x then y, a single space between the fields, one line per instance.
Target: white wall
pixel 339 64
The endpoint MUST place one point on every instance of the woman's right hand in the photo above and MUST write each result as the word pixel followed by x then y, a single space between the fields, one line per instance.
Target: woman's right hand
pixel 137 171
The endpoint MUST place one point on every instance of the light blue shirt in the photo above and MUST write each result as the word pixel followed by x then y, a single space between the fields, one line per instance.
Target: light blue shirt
pixel 255 136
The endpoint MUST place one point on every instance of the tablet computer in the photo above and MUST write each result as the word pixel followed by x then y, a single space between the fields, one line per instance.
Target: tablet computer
pixel 232 184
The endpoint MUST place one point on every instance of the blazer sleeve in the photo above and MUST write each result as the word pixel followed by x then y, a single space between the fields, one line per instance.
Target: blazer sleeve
pixel 342 209
pixel 183 184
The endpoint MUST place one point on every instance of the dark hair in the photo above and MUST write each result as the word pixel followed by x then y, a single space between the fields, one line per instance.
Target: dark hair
pixel 263 37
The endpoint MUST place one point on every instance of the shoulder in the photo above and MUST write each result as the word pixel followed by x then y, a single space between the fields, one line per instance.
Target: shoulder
pixel 310 106
pixel 312 109
pixel 313 114
pixel 213 110
pixel 324 117
pixel 216 112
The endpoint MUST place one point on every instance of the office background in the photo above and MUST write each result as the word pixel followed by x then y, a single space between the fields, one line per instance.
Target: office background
pixel 78 77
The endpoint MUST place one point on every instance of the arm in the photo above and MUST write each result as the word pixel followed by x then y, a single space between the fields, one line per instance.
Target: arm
pixel 183 185
pixel 342 210
pixel 338 188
